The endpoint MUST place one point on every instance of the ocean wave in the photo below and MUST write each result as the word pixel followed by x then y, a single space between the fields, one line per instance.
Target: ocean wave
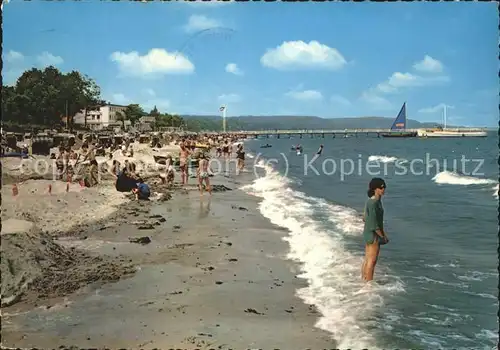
pixel 482 295
pixel 452 178
pixel 332 272
pixel 427 280
pixel 439 266
pixel 475 276
pixel 495 191
pixel 385 159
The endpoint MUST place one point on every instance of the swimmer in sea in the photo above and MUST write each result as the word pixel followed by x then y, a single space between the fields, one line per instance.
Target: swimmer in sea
pixel 320 150
pixel 204 174
pixel 373 232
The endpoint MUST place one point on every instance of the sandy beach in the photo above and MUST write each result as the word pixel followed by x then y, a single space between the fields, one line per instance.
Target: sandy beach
pixel 214 274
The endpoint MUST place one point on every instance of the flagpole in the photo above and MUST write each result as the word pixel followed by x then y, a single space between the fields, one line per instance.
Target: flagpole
pixel 223 109
pixel 224 117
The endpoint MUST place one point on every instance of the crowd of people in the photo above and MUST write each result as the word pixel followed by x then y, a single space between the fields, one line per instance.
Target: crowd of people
pixel 195 151
pixel 188 152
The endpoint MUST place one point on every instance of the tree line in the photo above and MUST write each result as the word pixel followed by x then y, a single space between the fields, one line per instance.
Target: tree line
pixel 46 97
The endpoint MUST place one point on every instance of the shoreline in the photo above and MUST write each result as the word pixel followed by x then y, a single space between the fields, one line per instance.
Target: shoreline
pixel 216 268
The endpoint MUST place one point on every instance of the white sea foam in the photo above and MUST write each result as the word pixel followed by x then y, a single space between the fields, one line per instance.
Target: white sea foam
pixel 476 276
pixel 495 191
pixel 332 272
pixel 452 178
pixel 482 295
pixel 384 159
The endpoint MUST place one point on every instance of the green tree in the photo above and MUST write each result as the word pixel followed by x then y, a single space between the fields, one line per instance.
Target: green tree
pixel 121 117
pixel 42 97
pixel 169 120
pixel 134 112
pixel 154 112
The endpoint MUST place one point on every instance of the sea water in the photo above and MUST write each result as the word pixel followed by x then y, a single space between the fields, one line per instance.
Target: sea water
pixel 436 281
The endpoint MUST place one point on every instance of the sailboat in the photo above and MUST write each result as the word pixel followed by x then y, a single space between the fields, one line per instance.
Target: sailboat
pixel 398 128
pixel 451 132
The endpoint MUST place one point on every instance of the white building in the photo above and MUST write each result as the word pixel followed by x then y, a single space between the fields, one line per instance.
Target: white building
pixel 102 118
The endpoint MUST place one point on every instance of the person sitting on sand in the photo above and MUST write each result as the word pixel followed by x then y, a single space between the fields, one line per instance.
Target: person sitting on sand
pixel 115 168
pixel 92 179
pixel 142 190
pixel 125 182
pixel 203 174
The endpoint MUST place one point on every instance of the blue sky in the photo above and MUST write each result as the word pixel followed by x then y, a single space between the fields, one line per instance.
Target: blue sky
pixel 324 59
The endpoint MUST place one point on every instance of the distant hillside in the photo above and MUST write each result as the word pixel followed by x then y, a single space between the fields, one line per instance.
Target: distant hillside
pixel 214 123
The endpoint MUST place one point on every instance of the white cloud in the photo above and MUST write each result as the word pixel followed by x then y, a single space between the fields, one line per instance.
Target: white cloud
pixel 400 80
pixel 438 108
pixel 300 55
pixel 14 57
pixel 48 59
pixel 429 65
pixel 229 98
pixel 337 99
pixel 155 62
pixel 376 101
pixel 160 103
pixel 197 23
pixel 306 95
pixel 234 69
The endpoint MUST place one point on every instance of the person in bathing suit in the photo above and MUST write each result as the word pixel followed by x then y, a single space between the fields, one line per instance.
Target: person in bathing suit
pixel 170 171
pixel 183 159
pixel 204 174
pixel 225 149
pixel 373 232
pixel 240 155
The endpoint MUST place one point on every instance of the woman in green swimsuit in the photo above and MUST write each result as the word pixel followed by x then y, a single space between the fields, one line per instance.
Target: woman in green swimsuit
pixel 373 232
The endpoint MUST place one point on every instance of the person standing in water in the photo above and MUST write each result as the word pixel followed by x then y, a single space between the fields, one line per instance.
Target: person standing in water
pixel 240 155
pixel 183 163
pixel 373 232
pixel 204 174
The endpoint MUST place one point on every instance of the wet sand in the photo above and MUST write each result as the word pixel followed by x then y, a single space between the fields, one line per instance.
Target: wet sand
pixel 213 276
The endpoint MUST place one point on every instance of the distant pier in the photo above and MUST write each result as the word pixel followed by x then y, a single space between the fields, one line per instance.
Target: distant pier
pixel 317 133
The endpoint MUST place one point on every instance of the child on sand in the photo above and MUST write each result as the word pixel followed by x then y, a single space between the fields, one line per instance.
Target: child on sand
pixel 170 172
pixel 142 191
